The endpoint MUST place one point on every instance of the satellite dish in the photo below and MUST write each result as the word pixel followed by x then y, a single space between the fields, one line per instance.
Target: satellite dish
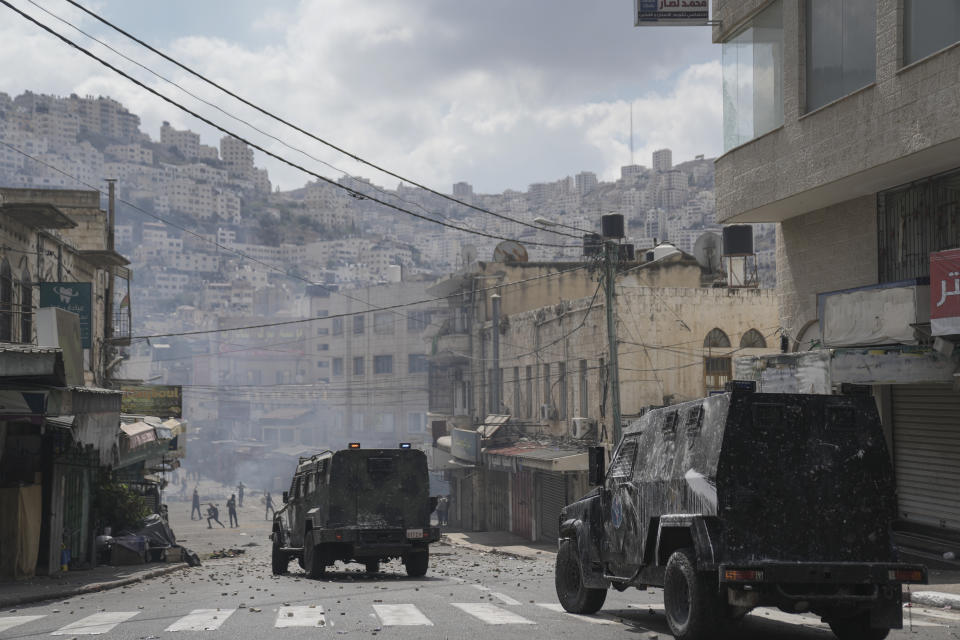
pixel 707 251
pixel 468 253
pixel 510 251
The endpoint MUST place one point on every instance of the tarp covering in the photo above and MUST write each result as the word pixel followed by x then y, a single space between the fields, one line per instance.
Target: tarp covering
pixel 175 426
pixel 157 532
pixel 138 434
pixel 20 531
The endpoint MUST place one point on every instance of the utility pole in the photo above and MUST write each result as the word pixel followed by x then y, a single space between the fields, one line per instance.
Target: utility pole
pixel 611 256
pixel 495 376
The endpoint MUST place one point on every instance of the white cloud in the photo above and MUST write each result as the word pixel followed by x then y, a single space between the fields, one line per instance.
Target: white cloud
pixel 500 94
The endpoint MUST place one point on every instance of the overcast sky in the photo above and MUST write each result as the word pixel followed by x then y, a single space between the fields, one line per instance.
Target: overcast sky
pixel 499 95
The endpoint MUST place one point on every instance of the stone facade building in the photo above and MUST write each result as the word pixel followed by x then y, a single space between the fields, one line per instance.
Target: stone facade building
pixel 842 125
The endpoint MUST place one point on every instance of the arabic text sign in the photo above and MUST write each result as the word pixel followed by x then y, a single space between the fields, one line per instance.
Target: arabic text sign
pixel 74 297
pixel 163 401
pixel 945 292
pixel 685 13
pixel 465 445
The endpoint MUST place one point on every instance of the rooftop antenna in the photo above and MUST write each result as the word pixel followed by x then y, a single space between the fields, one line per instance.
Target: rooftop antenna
pixel 631 132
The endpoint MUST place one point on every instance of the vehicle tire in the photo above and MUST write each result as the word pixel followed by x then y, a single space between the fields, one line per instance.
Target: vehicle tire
pixel 856 628
pixel 416 563
pixel 279 560
pixel 568 579
pixel 690 599
pixel 373 566
pixel 313 560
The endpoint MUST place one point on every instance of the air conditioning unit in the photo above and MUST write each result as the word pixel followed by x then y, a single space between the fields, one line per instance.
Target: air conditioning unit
pixel 582 427
pixel 547 412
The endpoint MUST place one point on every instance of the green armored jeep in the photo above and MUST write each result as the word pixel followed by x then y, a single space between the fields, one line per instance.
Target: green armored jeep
pixel 356 505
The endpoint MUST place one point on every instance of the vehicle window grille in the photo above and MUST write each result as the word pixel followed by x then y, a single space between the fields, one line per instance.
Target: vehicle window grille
pixel 379 466
pixel 669 428
pixel 622 466
pixel 694 422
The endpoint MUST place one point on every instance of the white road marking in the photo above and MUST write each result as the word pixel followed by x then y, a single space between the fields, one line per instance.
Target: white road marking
pixel 16 621
pixel 596 619
pixel 300 617
pixel 491 614
pixel 930 613
pixel 505 599
pixel 96 624
pixel 480 587
pixel 401 615
pixel 202 620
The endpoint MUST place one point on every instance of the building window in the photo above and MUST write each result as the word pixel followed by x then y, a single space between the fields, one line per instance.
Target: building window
pixel 417 321
pixel 338 326
pixel 753 78
pixel 928 26
pixel 547 388
pixel 528 408
pixel 717 373
pixel 416 422
pixel 417 363
pixel 716 339
pixel 6 302
pixel 562 391
pixel 841 48
pixel 914 221
pixel 383 364
pixel 383 323
pixel 323 331
pixel 26 308
pixel 338 366
pixel 323 347
pixel 358 366
pixel 323 364
pixel 753 339
pixel 516 391
pixel 584 390
pixel 358 324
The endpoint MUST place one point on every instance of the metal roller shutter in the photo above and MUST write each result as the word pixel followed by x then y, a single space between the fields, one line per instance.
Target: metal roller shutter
pixel 521 502
pixel 498 513
pixel 553 497
pixel 926 434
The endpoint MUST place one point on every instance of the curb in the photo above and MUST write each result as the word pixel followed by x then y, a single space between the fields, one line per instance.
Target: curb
pixel 531 555
pixel 93 587
pixel 934 599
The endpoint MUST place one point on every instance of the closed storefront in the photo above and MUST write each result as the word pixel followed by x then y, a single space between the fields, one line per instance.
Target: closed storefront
pixel 498 501
pixel 926 436
pixel 551 498
pixel 521 504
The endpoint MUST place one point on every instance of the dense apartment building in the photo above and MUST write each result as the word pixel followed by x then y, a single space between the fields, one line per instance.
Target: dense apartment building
pixel 841 124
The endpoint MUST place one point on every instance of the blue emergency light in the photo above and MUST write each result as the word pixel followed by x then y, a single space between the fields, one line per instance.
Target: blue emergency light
pixel 404 445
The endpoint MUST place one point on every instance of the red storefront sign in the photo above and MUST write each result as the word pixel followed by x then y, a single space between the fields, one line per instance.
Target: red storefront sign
pixel 945 292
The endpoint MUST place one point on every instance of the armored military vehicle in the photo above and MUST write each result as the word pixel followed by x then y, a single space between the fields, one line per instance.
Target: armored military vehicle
pixel 356 505
pixel 743 500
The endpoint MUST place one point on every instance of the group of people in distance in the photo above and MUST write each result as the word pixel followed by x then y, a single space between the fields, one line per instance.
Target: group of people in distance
pixel 235 501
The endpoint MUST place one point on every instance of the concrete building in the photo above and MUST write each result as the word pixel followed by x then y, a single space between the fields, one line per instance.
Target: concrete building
pixel 550 378
pixel 847 134
pixel 462 190
pixel 586 181
pixel 376 363
pixel 662 160
pixel 186 142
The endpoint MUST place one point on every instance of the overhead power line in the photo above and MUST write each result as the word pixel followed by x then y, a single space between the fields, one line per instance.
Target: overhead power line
pixel 299 129
pixel 354 192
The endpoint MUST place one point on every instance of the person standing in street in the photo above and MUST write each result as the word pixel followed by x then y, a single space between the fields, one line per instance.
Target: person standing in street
pixel 269 508
pixel 442 511
pixel 232 511
pixel 213 514
pixel 240 488
pixel 196 505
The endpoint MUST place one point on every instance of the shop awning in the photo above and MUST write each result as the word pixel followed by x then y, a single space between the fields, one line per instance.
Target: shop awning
pixel 138 434
pixel 521 457
pixel 176 427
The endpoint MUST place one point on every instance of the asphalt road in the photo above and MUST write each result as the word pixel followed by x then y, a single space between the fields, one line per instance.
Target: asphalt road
pixel 466 594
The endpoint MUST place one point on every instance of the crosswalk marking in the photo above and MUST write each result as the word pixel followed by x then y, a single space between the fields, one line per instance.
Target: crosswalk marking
pixel 202 620
pixel 554 606
pixel 15 621
pixel 505 599
pixel 300 617
pixel 96 624
pixel 401 615
pixel 491 614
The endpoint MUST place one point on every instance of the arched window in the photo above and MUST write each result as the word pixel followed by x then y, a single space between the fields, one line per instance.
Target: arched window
pixel 6 302
pixel 716 338
pixel 753 339
pixel 26 308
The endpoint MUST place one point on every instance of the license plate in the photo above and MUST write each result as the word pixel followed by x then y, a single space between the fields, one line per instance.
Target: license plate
pixel 414 533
